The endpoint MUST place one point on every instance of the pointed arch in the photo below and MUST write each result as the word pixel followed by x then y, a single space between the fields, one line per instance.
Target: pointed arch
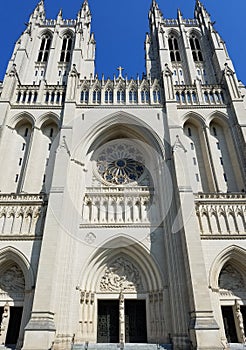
pixel 235 255
pixel 127 248
pixel 11 254
pixel 48 117
pixel 23 116
pixel 221 117
pixel 194 117
pixel 121 124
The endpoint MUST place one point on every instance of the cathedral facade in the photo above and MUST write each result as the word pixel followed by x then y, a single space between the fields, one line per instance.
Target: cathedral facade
pixel 122 201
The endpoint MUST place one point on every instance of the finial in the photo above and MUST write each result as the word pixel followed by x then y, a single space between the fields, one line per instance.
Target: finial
pixel 120 69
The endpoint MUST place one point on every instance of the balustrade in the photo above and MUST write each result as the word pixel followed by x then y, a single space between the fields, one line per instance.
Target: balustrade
pixel 209 95
pixel 221 214
pixel 21 215
pixel 118 206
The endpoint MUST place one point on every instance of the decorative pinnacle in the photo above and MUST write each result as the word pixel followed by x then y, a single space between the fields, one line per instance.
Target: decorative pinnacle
pixel 120 69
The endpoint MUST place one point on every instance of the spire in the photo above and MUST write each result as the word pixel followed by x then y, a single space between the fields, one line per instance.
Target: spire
pixel 84 14
pixel 59 16
pixel 200 9
pixel 39 11
pixel 155 10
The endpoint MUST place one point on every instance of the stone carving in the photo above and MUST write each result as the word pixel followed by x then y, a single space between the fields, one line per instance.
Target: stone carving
pixel 90 238
pixel 231 279
pixel 4 323
pixel 12 280
pixel 121 275
pixel 240 322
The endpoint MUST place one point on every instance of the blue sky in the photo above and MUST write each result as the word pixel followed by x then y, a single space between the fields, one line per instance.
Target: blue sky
pixel 120 28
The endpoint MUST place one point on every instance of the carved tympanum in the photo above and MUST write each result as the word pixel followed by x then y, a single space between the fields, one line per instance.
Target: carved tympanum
pixel 121 275
pixel 12 280
pixel 231 279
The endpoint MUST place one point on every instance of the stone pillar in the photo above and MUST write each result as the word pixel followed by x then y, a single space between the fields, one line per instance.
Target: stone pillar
pixel 122 317
pixel 4 323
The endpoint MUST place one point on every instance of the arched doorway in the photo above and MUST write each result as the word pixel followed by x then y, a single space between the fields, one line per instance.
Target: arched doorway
pixel 121 296
pixel 16 295
pixel 12 294
pixel 228 283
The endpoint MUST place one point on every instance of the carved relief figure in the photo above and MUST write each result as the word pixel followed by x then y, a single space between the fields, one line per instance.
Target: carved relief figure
pixel 4 323
pixel 231 279
pixel 12 280
pixel 240 322
pixel 122 275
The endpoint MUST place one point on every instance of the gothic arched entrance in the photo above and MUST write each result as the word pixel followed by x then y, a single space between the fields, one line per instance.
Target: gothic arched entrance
pixel 16 293
pixel 122 297
pixel 12 293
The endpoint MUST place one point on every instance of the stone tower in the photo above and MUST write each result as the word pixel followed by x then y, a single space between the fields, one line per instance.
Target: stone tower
pixel 122 204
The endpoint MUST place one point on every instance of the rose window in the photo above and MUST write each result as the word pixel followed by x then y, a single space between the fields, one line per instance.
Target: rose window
pixel 120 164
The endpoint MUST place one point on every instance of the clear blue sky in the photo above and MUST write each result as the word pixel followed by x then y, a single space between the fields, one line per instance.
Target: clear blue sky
pixel 120 28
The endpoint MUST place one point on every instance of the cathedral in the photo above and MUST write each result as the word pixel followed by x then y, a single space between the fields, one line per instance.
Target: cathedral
pixel 122 200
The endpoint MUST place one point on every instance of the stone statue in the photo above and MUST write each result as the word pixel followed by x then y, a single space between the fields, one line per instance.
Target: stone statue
pixel 4 323
pixel 240 322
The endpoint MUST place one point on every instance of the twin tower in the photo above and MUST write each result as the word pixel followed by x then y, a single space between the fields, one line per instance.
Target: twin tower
pixel 122 201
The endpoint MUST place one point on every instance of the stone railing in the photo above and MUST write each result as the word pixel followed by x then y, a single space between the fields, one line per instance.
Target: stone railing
pixel 119 91
pixel 21 215
pixel 119 206
pixel 30 95
pixel 54 95
pixel 208 95
pixel 221 214
pixel 63 22
pixel 170 22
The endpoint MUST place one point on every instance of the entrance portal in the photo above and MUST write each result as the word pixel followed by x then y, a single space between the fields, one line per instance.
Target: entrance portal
pixel 109 321
pixel 135 321
pixel 229 324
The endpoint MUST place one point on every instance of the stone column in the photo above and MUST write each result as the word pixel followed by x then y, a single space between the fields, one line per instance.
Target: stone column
pixel 122 317
pixel 4 323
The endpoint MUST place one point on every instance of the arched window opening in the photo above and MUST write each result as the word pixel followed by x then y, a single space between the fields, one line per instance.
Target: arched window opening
pixel 120 96
pixel 144 96
pixel 196 49
pixel 174 49
pixel 96 96
pixel 44 48
pixel 84 96
pixel 156 96
pixel 109 96
pixel 177 97
pixel 132 96
pixel 66 48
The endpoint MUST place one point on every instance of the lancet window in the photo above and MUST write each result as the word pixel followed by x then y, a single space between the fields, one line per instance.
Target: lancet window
pixel 196 49
pixel 66 48
pixel 174 49
pixel 44 48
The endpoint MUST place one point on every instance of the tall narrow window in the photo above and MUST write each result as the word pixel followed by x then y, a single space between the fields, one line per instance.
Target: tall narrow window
pixel 174 49
pixel 66 48
pixel 44 48
pixel 196 49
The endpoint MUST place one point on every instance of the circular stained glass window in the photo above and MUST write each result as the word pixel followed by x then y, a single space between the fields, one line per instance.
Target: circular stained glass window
pixel 120 163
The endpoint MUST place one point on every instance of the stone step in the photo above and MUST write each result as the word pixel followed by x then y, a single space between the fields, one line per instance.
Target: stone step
pixel 127 346
pixel 237 346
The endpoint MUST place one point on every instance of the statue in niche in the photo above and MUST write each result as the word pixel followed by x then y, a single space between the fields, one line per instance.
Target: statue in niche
pixel 4 323
pixel 231 279
pixel 240 322
pixel 12 280
pixel 122 275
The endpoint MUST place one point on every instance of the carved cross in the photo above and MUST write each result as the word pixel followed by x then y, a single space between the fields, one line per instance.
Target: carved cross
pixel 120 69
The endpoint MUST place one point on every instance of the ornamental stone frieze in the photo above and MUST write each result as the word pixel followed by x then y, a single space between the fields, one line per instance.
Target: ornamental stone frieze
pixel 118 205
pixel 221 214
pixel 21 215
